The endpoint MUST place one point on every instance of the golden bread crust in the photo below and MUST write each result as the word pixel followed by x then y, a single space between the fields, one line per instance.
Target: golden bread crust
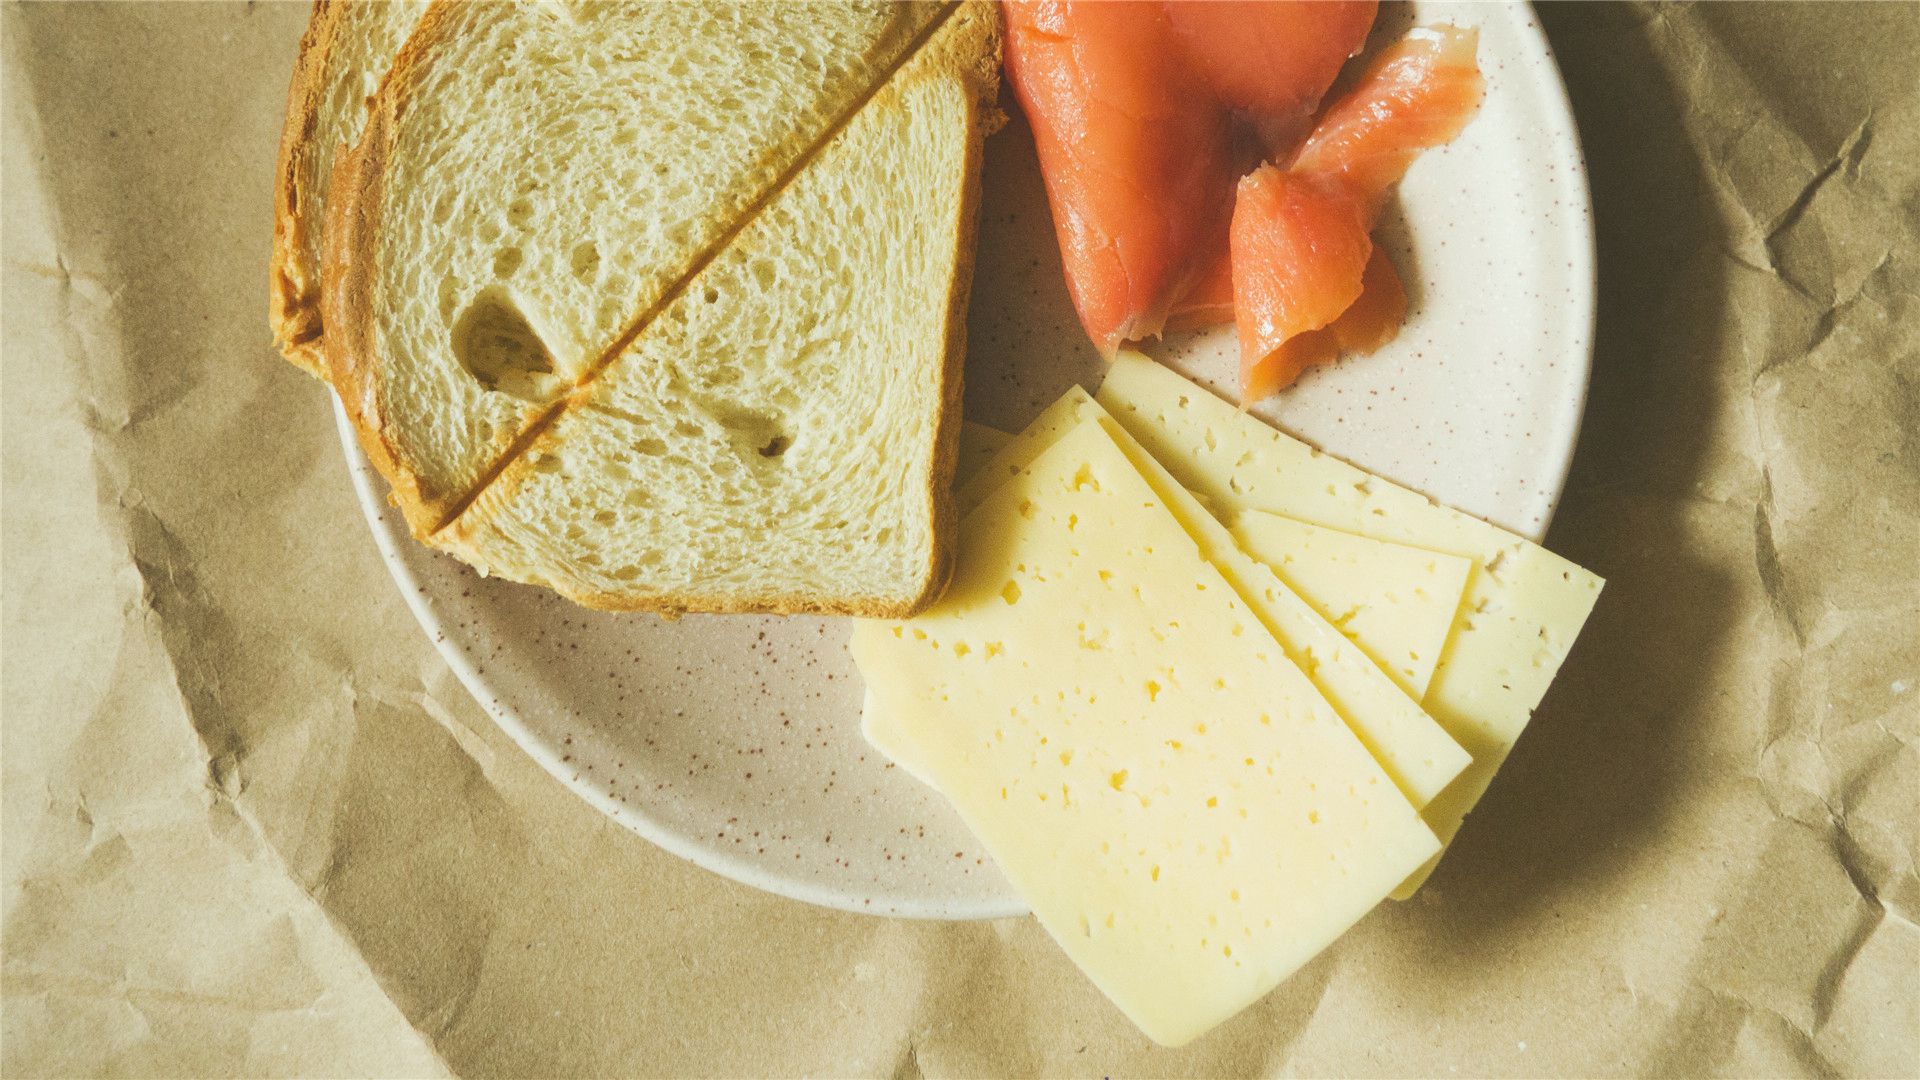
pixel 348 276
pixel 293 286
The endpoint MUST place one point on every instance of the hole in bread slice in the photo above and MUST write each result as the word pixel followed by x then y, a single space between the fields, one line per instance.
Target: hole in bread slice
pixel 500 348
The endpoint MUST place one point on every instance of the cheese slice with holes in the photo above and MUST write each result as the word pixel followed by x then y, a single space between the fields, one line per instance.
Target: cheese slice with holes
pixel 1523 605
pixel 1186 815
pixel 1396 603
pixel 1416 752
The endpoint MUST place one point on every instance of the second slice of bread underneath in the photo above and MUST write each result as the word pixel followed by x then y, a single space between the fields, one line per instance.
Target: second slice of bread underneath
pixel 348 46
pixel 776 432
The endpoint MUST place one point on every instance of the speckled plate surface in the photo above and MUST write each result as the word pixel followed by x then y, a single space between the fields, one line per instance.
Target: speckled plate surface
pixel 734 741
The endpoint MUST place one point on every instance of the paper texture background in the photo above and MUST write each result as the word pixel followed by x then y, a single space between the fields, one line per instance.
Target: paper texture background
pixel 254 827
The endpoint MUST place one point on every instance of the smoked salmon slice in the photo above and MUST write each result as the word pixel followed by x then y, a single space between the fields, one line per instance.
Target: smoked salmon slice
pixel 1418 93
pixel 1210 301
pixel 1153 123
pixel 1300 248
pixel 1369 322
pixel 1144 116
pixel 1138 167
pixel 1271 62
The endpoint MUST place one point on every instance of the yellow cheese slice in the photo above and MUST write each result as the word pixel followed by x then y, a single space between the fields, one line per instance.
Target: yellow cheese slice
pixel 1183 811
pixel 1396 603
pixel 1523 604
pixel 1416 753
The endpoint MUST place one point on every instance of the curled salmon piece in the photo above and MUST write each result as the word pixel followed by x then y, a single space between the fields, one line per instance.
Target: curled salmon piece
pixel 1144 116
pixel 1418 93
pixel 1373 320
pixel 1300 249
pixel 1369 322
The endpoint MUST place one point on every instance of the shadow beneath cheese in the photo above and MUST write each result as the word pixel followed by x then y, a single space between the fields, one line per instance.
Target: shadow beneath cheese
pixel 1604 760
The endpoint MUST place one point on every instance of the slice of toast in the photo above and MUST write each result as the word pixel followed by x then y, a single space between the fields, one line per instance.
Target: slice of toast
pixel 680 328
pixel 348 46
pixel 782 436
pixel 533 179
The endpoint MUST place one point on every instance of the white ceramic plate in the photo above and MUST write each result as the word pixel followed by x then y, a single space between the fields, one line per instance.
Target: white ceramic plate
pixel 734 741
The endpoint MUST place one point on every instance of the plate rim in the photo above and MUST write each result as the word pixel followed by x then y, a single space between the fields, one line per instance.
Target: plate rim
pixel 392 542
pixel 1583 330
pixel 394 545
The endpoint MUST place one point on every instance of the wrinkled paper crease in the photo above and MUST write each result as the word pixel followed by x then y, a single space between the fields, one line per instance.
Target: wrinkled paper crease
pixel 254 827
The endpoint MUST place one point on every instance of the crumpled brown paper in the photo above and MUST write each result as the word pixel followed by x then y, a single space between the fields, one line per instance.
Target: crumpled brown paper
pixel 253 827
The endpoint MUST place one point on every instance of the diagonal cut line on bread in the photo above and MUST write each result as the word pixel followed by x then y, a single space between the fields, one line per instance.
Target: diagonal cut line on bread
pixel 700 263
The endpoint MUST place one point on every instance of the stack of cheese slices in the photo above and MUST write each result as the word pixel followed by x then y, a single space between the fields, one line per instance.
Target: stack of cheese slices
pixel 1208 695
